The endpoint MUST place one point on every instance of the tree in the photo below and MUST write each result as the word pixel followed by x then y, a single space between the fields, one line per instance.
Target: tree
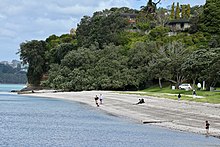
pixel 172 14
pixel 103 28
pixel 194 20
pixel 80 58
pixel 210 19
pixel 158 32
pixel 162 16
pixel 176 53
pixel 158 66
pixel 57 47
pixel 177 16
pixel 214 69
pixel 52 41
pixel 33 54
pixel 106 54
pixel 188 11
pixel 203 65
pixel 58 77
pixel 152 6
pixel 183 11
pixel 56 54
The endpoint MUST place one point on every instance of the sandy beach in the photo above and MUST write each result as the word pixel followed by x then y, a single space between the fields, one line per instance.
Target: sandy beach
pixel 178 115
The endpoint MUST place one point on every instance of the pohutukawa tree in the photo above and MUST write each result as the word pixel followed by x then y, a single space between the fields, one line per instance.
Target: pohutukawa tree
pixel 33 54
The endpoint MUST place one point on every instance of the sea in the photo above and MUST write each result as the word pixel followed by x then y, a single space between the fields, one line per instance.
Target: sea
pixel 27 121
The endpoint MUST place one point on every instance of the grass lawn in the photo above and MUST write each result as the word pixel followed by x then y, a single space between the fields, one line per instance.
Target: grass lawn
pixel 167 92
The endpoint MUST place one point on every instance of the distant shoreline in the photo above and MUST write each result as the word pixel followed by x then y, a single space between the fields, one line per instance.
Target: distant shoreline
pixel 183 116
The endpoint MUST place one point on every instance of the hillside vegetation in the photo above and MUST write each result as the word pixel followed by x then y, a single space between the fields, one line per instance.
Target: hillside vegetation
pixel 9 75
pixel 111 51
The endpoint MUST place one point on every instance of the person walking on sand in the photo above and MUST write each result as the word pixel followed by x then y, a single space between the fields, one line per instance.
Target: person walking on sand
pixel 96 100
pixel 101 98
pixel 207 126
pixel 179 96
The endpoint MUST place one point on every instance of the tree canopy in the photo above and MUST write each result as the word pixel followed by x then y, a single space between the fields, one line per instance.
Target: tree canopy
pixel 210 20
pixel 126 49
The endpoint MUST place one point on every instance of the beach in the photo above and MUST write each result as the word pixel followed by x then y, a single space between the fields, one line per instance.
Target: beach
pixel 177 115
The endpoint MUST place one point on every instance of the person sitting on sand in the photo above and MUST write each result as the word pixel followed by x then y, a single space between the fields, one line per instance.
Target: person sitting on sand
pixel 96 100
pixel 141 101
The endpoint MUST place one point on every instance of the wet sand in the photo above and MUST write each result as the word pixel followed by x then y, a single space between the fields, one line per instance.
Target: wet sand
pixel 179 115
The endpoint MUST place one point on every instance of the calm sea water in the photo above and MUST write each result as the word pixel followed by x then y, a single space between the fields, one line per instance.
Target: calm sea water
pixel 30 121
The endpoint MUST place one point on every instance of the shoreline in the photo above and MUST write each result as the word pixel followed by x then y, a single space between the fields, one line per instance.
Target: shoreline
pixel 172 114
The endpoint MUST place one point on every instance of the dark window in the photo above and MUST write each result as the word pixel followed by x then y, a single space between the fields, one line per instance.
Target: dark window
pixel 182 25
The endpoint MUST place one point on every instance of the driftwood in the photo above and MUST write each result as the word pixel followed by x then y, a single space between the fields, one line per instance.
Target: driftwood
pixel 156 121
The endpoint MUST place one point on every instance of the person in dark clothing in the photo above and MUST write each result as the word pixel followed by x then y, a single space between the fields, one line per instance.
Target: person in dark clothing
pixel 179 96
pixel 207 126
pixel 141 101
pixel 96 100
pixel 194 93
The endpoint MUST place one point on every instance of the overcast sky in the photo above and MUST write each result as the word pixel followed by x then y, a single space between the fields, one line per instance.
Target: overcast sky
pixel 22 20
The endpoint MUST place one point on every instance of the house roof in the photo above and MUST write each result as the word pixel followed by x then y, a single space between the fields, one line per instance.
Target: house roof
pixel 177 21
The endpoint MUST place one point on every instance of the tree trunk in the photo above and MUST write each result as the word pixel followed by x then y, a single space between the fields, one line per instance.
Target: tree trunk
pixel 194 83
pixel 179 79
pixel 160 84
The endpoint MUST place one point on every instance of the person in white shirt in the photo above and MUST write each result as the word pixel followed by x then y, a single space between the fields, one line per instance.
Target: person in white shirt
pixel 199 86
pixel 101 98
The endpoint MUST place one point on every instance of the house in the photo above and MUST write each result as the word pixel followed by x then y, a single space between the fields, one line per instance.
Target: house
pixel 178 25
pixel 131 18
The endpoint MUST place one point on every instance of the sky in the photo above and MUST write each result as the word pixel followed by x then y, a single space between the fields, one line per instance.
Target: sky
pixel 25 20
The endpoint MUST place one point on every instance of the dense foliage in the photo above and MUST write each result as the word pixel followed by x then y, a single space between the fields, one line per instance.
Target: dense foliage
pixel 33 53
pixel 109 51
pixel 210 20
